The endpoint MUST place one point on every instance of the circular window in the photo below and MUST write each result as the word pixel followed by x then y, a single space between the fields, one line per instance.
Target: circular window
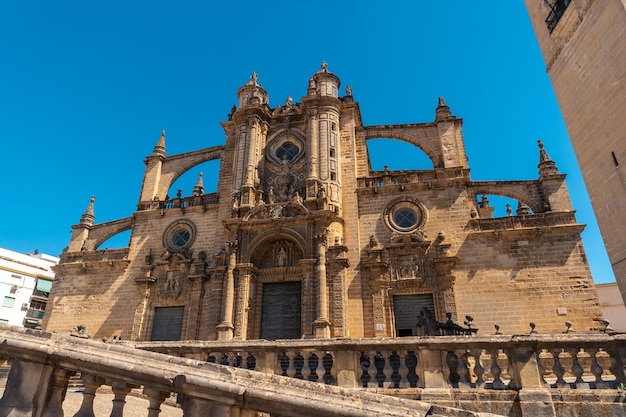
pixel 179 236
pixel 405 216
pixel 285 147
pixel 288 151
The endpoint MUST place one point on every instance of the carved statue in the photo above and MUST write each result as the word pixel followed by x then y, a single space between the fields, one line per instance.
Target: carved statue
pixel 281 257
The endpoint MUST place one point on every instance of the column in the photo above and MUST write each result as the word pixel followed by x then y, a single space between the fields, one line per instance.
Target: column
pixel 225 328
pixel 321 326
pixel 243 299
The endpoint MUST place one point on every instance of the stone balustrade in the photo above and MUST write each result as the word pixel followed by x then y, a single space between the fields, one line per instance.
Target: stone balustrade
pixel 555 369
pixel 42 363
pixel 401 178
pixel 519 375
pixel 181 203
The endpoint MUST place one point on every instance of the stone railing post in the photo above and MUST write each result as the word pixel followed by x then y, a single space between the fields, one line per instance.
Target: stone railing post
pixel 534 399
pixel 26 388
pixel 432 378
pixel 91 383
pixel 347 366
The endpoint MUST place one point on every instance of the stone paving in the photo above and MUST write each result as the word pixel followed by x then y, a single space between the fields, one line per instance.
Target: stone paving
pixel 135 406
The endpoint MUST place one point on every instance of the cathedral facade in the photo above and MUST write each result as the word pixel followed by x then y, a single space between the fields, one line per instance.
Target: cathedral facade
pixel 302 239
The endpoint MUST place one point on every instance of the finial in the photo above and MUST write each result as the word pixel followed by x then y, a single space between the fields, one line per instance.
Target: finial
pixel 532 328
pixel 443 111
pixel 568 326
pixel 324 66
pixel 198 189
pixel 88 217
pixel 522 209
pixel 159 149
pixel 546 165
pixel 254 77
pixel 509 211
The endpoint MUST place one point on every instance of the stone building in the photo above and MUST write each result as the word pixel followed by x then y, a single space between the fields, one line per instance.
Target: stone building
pixel 304 240
pixel 583 43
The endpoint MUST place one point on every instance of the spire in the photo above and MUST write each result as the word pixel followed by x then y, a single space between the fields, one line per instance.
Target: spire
pixel 88 216
pixel 546 165
pixel 443 113
pixel 198 189
pixel 159 149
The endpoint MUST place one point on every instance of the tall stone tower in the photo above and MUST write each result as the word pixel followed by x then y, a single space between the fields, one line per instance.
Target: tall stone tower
pixel 583 43
pixel 304 240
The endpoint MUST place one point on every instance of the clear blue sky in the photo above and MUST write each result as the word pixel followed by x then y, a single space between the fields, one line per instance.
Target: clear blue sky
pixel 86 88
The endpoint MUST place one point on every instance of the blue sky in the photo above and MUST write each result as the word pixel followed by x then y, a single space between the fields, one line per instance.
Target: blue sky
pixel 87 87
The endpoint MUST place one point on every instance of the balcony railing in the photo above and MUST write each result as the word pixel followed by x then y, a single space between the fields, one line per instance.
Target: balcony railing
pixel 42 364
pixel 557 10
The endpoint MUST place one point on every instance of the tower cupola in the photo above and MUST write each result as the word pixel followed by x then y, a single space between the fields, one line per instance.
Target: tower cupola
pixel 252 93
pixel 324 83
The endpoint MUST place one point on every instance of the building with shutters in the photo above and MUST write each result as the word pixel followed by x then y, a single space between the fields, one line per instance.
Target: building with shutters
pixel 25 283
pixel 302 239
pixel 583 43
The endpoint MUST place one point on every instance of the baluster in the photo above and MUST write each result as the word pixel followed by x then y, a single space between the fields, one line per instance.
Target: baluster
pixel 496 371
pixel 91 383
pixel 510 371
pixel 298 364
pixel 596 370
pixel 120 390
pixel 330 376
pixel 372 371
pixel 411 363
pixel 379 364
pixel 577 370
pixel 306 369
pixel 320 371
pixel 313 363
pixel 558 369
pixel 250 362
pixel 452 363
pixel 403 371
pixel 291 369
pixel 282 364
pixel 387 371
pixel 462 368
pixel 478 369
pixel 54 408
pixel 156 398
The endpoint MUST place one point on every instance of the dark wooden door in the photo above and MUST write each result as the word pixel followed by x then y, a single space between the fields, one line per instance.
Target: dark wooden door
pixel 168 323
pixel 281 311
pixel 406 310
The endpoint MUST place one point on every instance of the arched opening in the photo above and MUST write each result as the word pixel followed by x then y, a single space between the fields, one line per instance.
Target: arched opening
pixel 397 155
pixel 276 310
pixel 187 181
pixel 492 206
pixel 120 240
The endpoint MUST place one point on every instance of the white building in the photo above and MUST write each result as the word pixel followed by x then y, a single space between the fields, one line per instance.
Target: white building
pixel 25 282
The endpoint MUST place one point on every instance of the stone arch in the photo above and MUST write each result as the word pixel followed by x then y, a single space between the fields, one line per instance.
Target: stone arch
pixel 177 165
pixel 382 133
pixel 265 250
pixel 100 233
pixel 520 191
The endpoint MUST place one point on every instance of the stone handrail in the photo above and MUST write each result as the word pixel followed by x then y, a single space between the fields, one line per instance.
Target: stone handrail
pixel 42 364
pixel 180 202
pixel 573 360
pixel 388 177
